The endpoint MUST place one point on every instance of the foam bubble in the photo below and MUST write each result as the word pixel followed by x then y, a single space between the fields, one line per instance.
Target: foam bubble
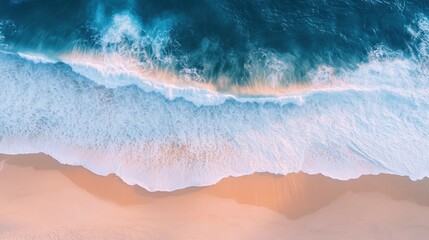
pixel 123 26
pixel 5 26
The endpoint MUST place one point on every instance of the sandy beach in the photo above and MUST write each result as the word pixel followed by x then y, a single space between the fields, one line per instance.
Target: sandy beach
pixel 42 199
pixel 214 120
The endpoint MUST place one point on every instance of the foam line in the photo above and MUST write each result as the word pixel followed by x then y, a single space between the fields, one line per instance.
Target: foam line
pixel 166 143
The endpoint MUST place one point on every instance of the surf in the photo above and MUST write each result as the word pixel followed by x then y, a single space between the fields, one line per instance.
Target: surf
pixel 127 95
pixel 166 144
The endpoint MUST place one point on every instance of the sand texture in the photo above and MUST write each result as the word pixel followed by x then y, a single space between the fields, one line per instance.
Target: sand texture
pixel 42 199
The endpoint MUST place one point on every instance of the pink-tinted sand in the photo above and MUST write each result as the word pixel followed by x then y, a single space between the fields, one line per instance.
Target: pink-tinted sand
pixel 42 199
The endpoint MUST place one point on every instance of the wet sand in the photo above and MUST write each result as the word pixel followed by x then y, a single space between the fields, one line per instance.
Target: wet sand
pixel 42 199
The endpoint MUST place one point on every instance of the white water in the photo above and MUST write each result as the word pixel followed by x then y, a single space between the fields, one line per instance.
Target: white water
pixel 373 119
pixel 379 126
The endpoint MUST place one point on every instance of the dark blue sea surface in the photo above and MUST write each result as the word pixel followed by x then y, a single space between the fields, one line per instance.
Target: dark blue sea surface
pixel 235 42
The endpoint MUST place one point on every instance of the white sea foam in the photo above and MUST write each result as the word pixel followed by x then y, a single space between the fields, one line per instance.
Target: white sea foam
pixel 3 25
pixel 122 26
pixel 375 123
pixel 162 136
pixel 36 58
pixel 115 71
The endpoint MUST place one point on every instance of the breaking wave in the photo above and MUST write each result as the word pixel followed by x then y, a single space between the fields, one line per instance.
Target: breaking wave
pixel 113 109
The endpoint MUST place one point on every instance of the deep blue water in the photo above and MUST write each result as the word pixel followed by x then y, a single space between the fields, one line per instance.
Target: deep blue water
pixel 211 40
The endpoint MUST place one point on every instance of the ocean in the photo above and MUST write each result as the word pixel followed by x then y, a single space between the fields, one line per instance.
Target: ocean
pixel 170 94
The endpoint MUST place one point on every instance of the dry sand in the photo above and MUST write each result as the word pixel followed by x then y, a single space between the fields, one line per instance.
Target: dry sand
pixel 42 199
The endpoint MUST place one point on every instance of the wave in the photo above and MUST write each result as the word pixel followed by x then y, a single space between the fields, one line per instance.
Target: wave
pixel 225 44
pixel 123 106
pixel 377 122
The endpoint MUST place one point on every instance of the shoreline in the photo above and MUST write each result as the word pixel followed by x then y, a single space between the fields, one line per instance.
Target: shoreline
pixel 40 196
pixel 291 187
